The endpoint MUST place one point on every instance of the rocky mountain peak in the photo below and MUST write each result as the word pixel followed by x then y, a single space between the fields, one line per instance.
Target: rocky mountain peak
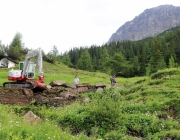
pixel 150 23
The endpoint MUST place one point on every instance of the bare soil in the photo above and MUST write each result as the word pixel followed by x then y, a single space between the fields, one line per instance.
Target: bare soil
pixel 23 97
pixel 13 97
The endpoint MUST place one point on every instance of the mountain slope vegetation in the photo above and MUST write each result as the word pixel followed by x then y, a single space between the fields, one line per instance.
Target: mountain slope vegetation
pixel 136 108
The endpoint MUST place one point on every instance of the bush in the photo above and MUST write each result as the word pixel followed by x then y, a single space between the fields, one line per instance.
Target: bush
pixel 140 125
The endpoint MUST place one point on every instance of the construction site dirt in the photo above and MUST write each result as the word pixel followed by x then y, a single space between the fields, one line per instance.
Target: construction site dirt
pixel 56 94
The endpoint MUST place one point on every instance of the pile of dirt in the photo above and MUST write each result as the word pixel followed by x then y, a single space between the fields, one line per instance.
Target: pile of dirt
pixel 22 97
pixel 13 97
pixel 56 94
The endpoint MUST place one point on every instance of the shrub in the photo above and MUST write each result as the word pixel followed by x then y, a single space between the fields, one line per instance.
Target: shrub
pixel 140 125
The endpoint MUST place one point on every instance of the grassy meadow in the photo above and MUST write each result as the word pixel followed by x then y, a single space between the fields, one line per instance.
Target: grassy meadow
pixel 136 108
pixel 66 74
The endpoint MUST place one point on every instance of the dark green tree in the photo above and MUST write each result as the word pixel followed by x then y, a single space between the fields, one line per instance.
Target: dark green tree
pixel 136 65
pixel 104 58
pixel 66 60
pixel 85 61
pixel 119 65
pixel 51 58
pixel 16 47
pixel 171 62
pixel 143 58
pixel 161 64
pixel 157 59
pixel 2 50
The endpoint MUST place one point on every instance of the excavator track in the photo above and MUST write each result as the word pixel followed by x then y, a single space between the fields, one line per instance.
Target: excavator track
pixel 18 85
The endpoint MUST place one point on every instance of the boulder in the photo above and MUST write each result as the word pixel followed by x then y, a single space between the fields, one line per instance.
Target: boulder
pixel 82 89
pixel 108 86
pixel 72 90
pixel 83 85
pixel 48 86
pixel 57 83
pixel 99 89
pixel 28 93
pixel 71 86
pixel 100 85
pixel 66 95
pixel 31 118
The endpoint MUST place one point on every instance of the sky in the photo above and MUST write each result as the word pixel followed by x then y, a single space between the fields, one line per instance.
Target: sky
pixel 68 23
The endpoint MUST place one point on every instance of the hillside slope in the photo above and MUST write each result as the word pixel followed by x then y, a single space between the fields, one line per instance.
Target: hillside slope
pixel 147 108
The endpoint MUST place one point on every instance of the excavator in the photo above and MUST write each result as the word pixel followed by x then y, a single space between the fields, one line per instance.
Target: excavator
pixel 25 76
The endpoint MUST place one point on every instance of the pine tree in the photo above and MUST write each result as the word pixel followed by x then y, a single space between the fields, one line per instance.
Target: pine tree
pixel 143 59
pixel 171 62
pixel 2 50
pixel 66 60
pixel 85 62
pixel 118 65
pixel 136 65
pixel 157 60
pixel 104 58
pixel 16 47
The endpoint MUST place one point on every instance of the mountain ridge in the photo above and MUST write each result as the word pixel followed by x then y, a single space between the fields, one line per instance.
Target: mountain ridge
pixel 149 23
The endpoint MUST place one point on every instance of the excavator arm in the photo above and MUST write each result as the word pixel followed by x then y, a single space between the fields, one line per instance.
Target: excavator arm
pixel 38 55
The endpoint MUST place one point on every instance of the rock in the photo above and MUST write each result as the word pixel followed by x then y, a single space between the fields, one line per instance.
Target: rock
pixel 66 95
pixel 57 83
pixel 48 86
pixel 99 89
pixel 82 89
pixel 72 90
pixel 31 118
pixel 71 86
pixel 58 98
pixel 108 86
pixel 56 87
pixel 83 85
pixel 86 100
pixel 28 93
pixel 100 85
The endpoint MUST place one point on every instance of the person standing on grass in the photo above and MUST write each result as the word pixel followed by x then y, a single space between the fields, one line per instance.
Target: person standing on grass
pixel 76 80
pixel 113 81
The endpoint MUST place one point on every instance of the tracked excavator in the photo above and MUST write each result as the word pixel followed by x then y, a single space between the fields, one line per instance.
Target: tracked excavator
pixel 25 76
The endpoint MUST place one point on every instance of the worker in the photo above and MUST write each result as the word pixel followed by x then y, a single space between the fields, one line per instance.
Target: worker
pixel 76 80
pixel 113 81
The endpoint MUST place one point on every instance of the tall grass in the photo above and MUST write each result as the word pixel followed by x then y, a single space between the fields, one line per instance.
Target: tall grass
pixel 13 127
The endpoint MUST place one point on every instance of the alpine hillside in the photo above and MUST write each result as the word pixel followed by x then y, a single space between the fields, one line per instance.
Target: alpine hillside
pixel 150 23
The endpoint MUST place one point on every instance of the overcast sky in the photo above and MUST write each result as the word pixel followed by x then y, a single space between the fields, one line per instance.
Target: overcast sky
pixel 68 23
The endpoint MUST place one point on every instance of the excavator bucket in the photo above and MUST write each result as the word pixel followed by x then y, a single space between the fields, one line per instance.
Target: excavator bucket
pixel 39 86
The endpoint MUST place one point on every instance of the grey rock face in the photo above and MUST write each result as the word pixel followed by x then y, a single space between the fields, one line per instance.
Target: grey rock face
pixel 148 24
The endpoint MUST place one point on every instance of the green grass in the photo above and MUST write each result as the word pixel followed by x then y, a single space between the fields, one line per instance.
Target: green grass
pixel 13 127
pixel 139 107
pixel 66 74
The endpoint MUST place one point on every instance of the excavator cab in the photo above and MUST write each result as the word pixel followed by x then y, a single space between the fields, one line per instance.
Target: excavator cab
pixel 30 69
